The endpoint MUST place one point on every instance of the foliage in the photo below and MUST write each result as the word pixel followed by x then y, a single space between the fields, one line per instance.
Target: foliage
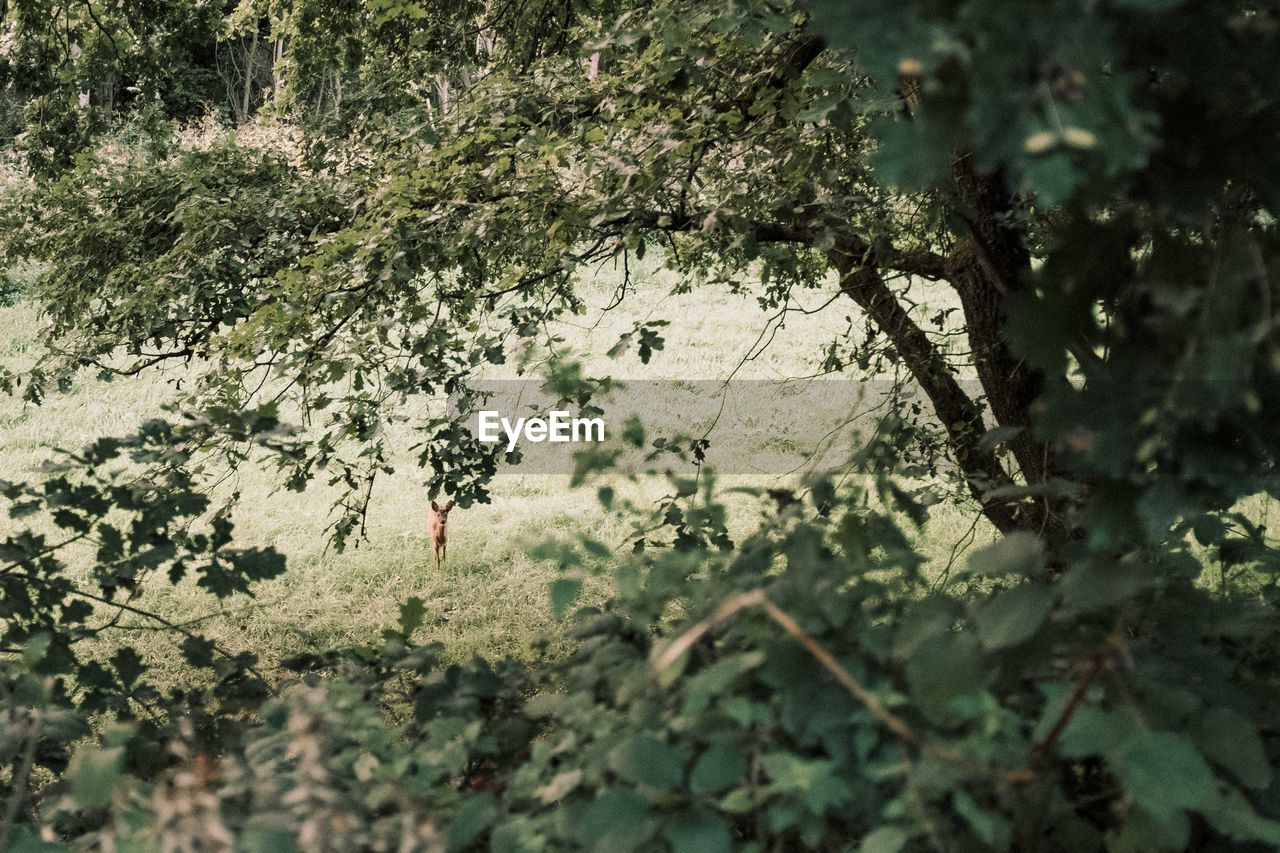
pixel 138 527
pixel 740 731
pixel 73 65
pixel 178 250
pixel 16 282
pixel 1097 185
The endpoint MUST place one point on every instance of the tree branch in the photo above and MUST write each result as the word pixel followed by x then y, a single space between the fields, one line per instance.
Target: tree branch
pixel 1093 667
pixel 919 262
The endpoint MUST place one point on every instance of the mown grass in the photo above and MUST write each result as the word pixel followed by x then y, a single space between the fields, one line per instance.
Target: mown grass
pixel 491 596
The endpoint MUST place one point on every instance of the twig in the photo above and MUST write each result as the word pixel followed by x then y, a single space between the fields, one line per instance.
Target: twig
pixel 828 661
pixel 957 548
pixel 44 552
pixel 1096 663
pixel 686 640
pixel 172 626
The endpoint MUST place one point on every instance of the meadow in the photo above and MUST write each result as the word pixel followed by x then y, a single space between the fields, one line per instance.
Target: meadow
pixel 490 597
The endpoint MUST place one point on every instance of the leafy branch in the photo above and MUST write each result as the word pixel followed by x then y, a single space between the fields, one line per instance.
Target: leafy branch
pixel 903 730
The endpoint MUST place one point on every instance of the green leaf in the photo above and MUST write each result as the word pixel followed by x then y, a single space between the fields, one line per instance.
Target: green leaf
pixel 644 760
pixel 992 827
pixel 617 820
pixel 718 768
pixel 885 839
pixel 923 621
pixel 1095 731
pixel 942 669
pixel 1012 616
pixel 472 820
pixel 518 835
pixel 739 800
pixel 815 781
pixel 93 774
pixel 1164 774
pixel 700 831
pixel 716 679
pixel 1019 553
pixel 1141 833
pixel 1232 742
pixel 1234 817
pixel 1096 586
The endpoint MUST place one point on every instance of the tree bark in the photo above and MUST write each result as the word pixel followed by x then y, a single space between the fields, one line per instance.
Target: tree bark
pixel 859 266
pixel 991 262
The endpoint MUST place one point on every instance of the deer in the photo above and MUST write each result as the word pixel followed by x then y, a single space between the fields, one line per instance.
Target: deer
pixel 438 528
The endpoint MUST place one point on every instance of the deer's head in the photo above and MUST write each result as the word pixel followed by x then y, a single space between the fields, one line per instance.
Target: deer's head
pixel 442 511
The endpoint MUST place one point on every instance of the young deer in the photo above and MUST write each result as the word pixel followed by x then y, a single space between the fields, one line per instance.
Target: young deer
pixel 438 527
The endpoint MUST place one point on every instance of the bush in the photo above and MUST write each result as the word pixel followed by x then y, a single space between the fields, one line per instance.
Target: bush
pixel 19 281
pixel 815 691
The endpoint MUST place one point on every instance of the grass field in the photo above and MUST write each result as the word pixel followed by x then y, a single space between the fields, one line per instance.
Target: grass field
pixel 490 597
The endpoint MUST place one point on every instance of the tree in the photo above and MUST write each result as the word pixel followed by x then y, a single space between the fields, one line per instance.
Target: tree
pixel 743 139
pixel 71 67
pixel 1098 186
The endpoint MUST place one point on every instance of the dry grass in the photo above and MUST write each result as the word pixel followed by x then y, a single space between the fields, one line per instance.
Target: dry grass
pixel 490 597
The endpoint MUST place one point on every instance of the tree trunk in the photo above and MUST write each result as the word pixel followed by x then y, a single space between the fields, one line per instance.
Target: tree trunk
pixel 246 97
pixel 991 261
pixel 959 415
pixel 277 76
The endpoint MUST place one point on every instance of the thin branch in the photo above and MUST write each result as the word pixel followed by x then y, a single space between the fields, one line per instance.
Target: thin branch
pixel 1096 663
pixel 960 416
pixel 4 570
pixel 155 617
pixel 921 262
pixel 98 23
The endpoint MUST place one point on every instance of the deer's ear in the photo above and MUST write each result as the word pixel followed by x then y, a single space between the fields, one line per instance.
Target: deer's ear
pixel 450 504
pixel 435 506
